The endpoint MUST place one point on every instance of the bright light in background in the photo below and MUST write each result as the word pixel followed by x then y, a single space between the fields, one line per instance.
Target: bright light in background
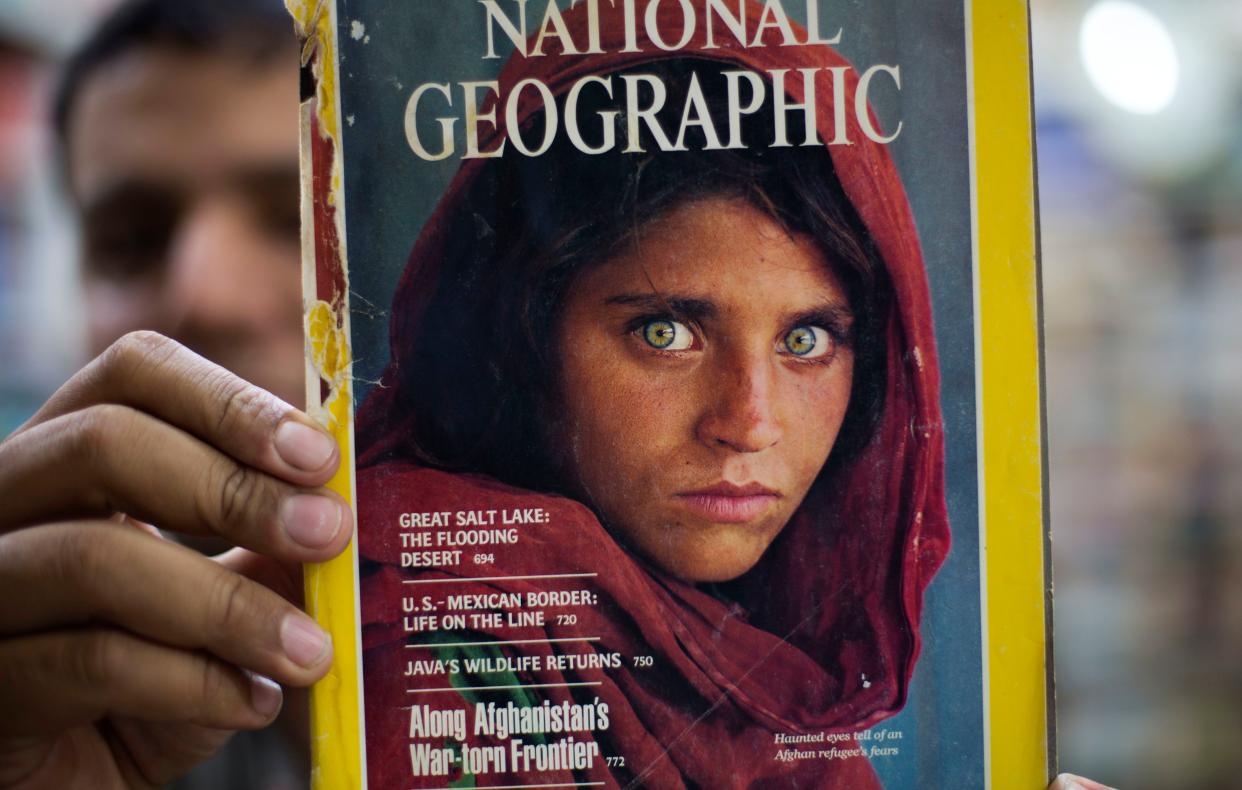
pixel 1129 56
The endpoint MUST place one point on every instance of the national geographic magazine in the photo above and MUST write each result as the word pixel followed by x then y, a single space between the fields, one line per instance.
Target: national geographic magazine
pixel 684 355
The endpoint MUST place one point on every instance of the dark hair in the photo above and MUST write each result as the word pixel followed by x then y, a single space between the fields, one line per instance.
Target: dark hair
pixel 530 226
pixel 250 29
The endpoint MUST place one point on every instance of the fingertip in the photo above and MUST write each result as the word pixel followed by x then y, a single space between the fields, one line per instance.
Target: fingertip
pixel 304 642
pixel 347 527
pixel 306 448
pixel 318 525
pixel 312 521
pixel 266 697
pixel 1068 781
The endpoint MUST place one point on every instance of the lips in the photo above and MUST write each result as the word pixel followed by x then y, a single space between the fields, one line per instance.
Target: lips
pixel 729 503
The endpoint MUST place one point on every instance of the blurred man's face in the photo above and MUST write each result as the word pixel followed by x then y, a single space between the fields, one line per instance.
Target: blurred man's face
pixel 184 167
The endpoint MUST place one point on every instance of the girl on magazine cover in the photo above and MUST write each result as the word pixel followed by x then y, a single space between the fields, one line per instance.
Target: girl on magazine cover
pixel 704 384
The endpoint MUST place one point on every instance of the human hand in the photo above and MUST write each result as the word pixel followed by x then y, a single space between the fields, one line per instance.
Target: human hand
pixel 1071 782
pixel 126 659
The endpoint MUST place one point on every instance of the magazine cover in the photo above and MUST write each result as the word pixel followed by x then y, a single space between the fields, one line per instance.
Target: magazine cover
pixel 685 357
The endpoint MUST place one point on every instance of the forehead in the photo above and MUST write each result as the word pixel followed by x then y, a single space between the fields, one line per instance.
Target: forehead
pixel 168 116
pixel 723 250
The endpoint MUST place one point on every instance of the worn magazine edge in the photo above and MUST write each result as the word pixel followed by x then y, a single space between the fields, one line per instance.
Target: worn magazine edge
pixel 332 595
pixel 1050 682
pixel 1019 714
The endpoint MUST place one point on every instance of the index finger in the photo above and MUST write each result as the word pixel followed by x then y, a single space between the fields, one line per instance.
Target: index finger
pixel 159 376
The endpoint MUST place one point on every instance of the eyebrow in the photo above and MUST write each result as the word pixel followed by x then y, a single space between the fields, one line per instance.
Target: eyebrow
pixel 833 315
pixel 830 314
pixel 140 190
pixel 130 192
pixel 680 306
pixel 280 178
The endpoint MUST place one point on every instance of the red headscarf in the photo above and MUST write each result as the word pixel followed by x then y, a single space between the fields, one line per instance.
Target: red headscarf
pixel 825 636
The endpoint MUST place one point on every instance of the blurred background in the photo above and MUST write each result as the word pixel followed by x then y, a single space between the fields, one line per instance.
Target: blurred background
pixel 1139 125
pixel 37 273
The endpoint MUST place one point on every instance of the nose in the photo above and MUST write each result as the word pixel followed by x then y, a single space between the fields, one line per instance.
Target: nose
pixel 212 287
pixel 741 412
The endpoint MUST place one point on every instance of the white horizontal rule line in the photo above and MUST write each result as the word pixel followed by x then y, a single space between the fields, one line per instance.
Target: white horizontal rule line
pixel 514 686
pixel 521 787
pixel 501 579
pixel 510 642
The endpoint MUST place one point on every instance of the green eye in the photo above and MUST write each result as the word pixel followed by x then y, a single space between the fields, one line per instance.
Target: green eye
pixel 808 342
pixel 667 335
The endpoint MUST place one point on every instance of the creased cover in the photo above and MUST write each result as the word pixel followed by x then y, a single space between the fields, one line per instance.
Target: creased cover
pixel 693 358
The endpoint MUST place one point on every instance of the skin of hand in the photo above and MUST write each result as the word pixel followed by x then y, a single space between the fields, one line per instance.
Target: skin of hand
pixel 126 659
pixel 1072 782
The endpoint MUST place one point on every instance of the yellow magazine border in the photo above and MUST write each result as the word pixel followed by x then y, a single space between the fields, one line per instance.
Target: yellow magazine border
pixel 1019 746
pixel 337 758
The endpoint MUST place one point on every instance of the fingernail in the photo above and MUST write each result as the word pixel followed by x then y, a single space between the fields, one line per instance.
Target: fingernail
pixel 1072 782
pixel 303 642
pixel 302 446
pixel 310 520
pixel 265 696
